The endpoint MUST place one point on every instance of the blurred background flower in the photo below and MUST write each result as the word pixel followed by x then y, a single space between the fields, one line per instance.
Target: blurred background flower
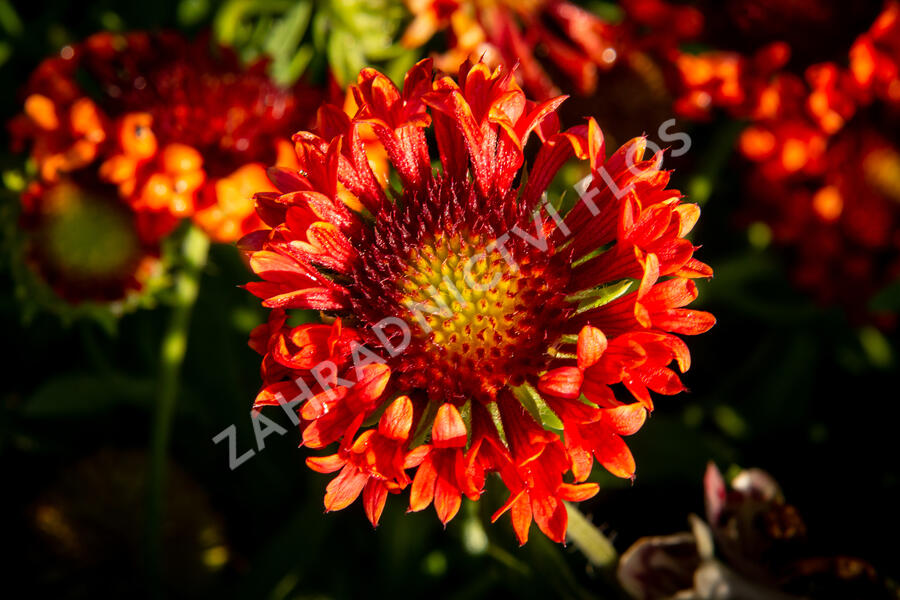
pixel 128 135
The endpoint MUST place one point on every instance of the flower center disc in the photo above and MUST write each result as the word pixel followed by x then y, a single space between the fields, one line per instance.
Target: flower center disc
pixel 85 244
pixel 478 314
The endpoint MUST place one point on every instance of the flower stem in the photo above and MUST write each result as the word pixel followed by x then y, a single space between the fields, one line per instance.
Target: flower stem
pixel 595 546
pixel 195 249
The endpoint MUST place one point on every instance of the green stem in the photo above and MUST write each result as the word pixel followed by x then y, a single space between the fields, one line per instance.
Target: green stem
pixel 507 559
pixel 172 350
pixel 595 546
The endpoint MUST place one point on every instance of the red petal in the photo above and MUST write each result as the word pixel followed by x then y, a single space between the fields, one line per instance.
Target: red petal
pixel 372 382
pixel 538 114
pixel 626 419
pixel 591 345
pixel 694 268
pixel 520 513
pixel 688 215
pixel 374 497
pixel 614 455
pixel 309 298
pixel 598 393
pixel 276 267
pixel 422 491
pixel 683 321
pixel 551 517
pixel 345 488
pixel 287 180
pixel 513 498
pixel 564 382
pixel 662 381
pixel 448 430
pixel 638 390
pixel 447 499
pixel 650 263
pixel 582 462
pixel 270 395
pixel 415 456
pixel 396 421
pixel 673 293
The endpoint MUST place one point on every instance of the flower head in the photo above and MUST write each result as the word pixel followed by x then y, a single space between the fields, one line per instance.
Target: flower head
pixel 875 56
pixel 84 243
pixel 129 134
pixel 464 304
pixel 576 44
pixel 180 131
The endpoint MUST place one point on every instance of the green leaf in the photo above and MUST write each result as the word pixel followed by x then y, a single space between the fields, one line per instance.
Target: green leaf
pixel 876 346
pixel 730 421
pixel 284 38
pixel 298 65
pixel 534 403
pixel 345 56
pixel 596 297
pixel 233 17
pixel 9 19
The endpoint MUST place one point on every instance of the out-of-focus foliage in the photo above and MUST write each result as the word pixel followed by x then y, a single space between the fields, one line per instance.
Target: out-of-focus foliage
pixel 337 37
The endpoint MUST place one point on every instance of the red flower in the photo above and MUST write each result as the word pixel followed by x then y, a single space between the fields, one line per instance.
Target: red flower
pixel 84 243
pixel 825 172
pixel 727 80
pixel 875 56
pixel 750 45
pixel 464 288
pixel 838 222
pixel 180 131
pixel 575 43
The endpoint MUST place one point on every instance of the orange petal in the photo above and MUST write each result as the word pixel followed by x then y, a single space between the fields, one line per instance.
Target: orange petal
pixel 42 111
pixel 325 464
pixel 415 456
pixel 181 158
pixel 577 493
pixel 136 137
